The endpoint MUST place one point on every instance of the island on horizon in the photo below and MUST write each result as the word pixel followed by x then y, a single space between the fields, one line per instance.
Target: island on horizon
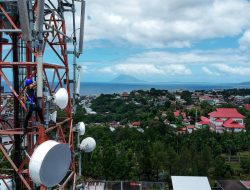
pixel 126 79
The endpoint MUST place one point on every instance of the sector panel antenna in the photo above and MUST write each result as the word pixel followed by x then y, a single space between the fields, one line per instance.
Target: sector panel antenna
pixel 24 19
pixel 81 128
pixel 40 18
pixel 49 163
pixel 78 86
pixel 61 98
pixel 82 27
pixel 53 116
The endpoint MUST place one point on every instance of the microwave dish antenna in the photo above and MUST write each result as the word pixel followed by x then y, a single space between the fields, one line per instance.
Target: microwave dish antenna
pixel 49 163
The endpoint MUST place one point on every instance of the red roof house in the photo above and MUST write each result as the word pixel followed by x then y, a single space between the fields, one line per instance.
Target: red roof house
pixel 204 122
pixel 226 113
pixel 226 119
pixel 181 130
pixel 177 113
pixel 125 95
pixel 232 124
pixel 136 124
pixel 190 128
pixel 219 120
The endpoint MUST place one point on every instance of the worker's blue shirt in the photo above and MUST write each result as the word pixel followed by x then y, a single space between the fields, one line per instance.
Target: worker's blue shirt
pixel 31 96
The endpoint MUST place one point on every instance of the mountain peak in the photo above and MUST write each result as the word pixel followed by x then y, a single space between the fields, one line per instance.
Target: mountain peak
pixel 126 79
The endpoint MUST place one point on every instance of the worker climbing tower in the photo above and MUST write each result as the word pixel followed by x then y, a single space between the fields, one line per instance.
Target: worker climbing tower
pixel 33 45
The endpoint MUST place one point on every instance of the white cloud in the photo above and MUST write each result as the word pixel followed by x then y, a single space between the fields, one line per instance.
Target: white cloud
pixel 132 69
pixel 176 70
pixel 236 70
pixel 212 62
pixel 209 72
pixel 146 69
pixel 179 44
pixel 244 41
pixel 191 57
pixel 162 23
pixel 107 70
pixel 139 69
pixel 84 69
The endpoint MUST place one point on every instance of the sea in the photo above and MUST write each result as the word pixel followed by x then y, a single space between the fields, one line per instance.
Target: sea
pixel 90 88
pixel 94 88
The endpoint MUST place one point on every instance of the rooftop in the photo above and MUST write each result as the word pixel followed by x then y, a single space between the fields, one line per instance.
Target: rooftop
pixel 190 183
pixel 226 113
pixel 233 124
pixel 230 185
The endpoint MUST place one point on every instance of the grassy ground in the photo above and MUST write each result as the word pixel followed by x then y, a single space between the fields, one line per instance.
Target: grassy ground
pixel 235 165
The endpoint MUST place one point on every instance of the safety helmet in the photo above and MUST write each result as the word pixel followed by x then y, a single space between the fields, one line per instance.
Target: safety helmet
pixel 28 82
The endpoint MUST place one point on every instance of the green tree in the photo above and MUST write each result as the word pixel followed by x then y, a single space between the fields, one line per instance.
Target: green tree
pixel 205 160
pixel 158 156
pixel 221 169
pixel 187 96
pixel 245 165
pixel 206 108
pixel 79 114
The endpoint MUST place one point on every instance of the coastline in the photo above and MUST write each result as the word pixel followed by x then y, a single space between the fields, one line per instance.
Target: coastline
pixel 97 88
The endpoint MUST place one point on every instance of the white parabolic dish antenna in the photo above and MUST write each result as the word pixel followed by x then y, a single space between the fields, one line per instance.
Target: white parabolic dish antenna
pixel 49 163
pixel 88 144
pixel 61 98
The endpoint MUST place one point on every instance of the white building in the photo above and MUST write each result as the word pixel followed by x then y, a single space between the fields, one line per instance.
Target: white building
pixel 226 119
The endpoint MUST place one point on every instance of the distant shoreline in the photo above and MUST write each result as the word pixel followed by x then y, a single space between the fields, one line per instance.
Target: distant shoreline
pixel 95 88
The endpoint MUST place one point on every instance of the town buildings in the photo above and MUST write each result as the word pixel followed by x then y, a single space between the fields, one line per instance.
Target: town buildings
pixel 226 119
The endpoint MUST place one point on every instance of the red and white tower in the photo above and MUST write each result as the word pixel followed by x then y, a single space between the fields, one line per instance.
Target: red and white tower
pixel 33 44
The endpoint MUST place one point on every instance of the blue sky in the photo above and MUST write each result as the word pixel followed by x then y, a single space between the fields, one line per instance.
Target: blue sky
pixel 167 40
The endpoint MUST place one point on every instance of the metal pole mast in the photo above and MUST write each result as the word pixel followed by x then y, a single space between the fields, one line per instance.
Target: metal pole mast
pixel 17 138
pixel 74 54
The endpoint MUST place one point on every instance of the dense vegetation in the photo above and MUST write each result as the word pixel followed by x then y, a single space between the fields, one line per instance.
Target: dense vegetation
pixel 157 153
pixel 109 108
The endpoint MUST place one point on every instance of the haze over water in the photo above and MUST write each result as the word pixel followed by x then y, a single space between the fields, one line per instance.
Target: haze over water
pixel 110 88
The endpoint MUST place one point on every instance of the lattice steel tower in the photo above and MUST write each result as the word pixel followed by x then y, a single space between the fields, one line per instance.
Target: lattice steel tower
pixel 33 44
